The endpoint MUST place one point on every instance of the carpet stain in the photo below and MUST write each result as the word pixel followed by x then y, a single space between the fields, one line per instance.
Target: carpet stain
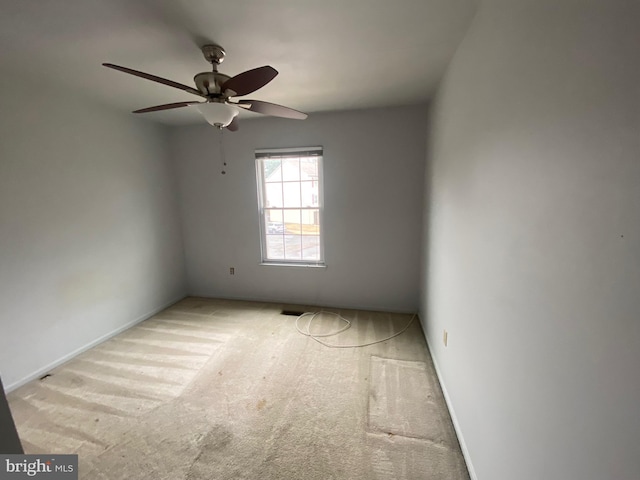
pixel 211 454
pixel 217 439
pixel 261 404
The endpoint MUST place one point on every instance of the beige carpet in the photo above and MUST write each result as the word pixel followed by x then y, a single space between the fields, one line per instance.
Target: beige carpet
pixel 219 389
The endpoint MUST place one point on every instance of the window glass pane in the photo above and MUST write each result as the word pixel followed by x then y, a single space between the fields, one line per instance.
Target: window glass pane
pixel 275 247
pixel 291 169
pixel 309 168
pixel 292 247
pixel 271 170
pixel 310 222
pixel 274 215
pixel 291 194
pixel 309 193
pixel 273 195
pixel 311 247
pixel 292 221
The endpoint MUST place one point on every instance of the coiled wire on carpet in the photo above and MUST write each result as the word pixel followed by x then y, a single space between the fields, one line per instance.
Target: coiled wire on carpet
pixel 317 336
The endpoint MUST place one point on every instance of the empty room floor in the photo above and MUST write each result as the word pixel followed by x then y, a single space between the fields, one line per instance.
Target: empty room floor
pixel 221 389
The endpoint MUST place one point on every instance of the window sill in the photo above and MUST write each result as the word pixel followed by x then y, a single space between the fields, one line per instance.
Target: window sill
pixel 285 264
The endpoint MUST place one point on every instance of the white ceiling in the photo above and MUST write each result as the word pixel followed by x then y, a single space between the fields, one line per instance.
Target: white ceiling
pixel 331 54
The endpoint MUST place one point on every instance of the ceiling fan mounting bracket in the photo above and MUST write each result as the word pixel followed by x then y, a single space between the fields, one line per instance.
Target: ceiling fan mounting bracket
pixel 214 54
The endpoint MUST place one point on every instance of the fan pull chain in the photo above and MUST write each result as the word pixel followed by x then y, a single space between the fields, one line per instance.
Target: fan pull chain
pixel 222 157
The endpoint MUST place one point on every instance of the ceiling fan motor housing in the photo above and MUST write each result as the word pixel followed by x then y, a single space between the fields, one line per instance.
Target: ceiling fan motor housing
pixel 210 83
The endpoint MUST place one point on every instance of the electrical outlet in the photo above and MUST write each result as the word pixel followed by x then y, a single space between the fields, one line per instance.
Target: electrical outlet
pixel 445 337
pixel 232 271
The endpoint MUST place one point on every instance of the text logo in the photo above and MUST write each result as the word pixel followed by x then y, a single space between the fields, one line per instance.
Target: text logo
pixel 50 467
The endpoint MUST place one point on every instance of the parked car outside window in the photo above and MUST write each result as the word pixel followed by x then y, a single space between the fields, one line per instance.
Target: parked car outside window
pixel 275 227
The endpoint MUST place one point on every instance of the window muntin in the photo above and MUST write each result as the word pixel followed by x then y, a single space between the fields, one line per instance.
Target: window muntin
pixel 290 205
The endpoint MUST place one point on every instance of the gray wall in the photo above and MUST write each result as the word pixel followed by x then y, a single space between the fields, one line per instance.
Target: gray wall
pixel 373 164
pixel 533 240
pixel 89 233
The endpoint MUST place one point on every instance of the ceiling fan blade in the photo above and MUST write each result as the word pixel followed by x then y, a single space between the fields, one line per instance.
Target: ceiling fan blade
pixel 272 109
pixel 249 81
pixel 154 78
pixel 167 106
pixel 234 125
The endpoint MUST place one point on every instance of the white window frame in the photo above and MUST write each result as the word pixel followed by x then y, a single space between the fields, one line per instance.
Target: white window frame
pixel 281 153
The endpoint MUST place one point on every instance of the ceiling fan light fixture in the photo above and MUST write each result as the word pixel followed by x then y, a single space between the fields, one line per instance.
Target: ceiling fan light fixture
pixel 218 114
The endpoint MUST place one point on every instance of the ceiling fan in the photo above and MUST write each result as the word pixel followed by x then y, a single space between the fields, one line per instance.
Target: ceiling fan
pixel 217 89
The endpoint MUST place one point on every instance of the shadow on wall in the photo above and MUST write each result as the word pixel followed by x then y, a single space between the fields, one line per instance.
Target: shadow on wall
pixel 9 441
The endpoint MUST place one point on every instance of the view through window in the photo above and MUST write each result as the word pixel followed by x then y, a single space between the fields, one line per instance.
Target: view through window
pixel 290 203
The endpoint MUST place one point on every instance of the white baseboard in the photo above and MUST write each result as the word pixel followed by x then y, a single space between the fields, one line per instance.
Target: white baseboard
pixel 41 371
pixel 452 412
